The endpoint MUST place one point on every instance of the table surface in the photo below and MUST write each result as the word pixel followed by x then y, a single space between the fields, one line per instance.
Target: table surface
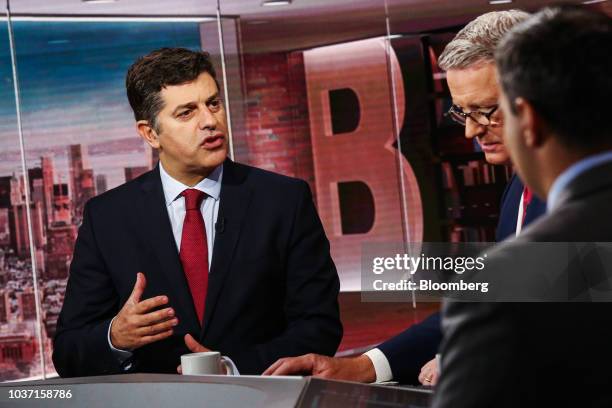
pixel 211 391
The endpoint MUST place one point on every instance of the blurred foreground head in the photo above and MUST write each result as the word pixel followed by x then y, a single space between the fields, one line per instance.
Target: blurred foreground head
pixel 556 73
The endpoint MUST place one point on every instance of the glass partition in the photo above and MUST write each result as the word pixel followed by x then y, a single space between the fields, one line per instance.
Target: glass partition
pixel 316 99
pixel 79 140
pixel 21 340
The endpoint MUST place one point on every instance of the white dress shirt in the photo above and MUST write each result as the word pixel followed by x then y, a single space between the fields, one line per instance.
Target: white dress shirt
pixel 175 205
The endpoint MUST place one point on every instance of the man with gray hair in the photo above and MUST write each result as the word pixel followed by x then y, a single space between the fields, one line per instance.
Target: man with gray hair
pixel 470 73
pixel 470 68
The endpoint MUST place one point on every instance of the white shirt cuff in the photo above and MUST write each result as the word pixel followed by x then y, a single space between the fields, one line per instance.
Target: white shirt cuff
pixel 381 365
pixel 120 355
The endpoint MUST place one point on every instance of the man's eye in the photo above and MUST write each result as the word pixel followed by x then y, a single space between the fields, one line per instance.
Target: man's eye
pixel 215 103
pixel 185 113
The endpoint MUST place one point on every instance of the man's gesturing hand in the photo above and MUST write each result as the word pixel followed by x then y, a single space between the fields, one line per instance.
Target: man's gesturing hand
pixel 358 369
pixel 135 326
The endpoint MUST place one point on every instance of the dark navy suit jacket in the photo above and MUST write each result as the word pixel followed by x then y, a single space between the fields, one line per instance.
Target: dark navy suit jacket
pixel 272 289
pixel 411 349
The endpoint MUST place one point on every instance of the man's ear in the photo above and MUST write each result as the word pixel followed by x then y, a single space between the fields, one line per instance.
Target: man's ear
pixel 147 133
pixel 530 122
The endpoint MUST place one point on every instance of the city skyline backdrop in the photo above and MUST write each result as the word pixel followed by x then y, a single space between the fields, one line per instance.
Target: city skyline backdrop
pixel 71 78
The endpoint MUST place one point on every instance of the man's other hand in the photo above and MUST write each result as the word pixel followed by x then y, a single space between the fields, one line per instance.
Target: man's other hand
pixel 135 326
pixel 359 369
pixel 429 373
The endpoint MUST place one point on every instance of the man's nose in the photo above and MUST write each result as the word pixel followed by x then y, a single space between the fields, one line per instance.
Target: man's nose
pixel 208 120
pixel 474 129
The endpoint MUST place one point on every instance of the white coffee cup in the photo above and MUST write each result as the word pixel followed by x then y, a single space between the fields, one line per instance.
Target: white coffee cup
pixel 206 363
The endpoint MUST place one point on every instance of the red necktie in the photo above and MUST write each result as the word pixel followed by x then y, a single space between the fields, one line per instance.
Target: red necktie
pixel 194 249
pixel 527 195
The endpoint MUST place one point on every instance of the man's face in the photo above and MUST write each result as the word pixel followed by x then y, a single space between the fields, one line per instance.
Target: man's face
pixel 475 88
pixel 192 127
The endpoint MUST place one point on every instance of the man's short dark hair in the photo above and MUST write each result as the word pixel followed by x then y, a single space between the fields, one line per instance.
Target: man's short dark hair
pixel 151 73
pixel 560 60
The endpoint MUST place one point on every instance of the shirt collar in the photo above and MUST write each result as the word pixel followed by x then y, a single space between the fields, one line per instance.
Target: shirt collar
pixel 569 174
pixel 211 185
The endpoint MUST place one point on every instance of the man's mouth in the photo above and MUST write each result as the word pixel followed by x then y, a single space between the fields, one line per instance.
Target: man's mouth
pixel 213 142
pixel 490 147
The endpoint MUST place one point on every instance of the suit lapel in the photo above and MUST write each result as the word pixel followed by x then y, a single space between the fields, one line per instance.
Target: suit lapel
pixel 235 197
pixel 158 232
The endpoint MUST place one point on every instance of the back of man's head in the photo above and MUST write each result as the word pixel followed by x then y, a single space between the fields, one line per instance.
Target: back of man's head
pixel 560 61
pixel 477 41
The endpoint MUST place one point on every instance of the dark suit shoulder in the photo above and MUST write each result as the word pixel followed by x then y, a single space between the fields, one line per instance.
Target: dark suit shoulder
pixel 273 185
pixel 584 220
pixel 123 194
pixel 257 175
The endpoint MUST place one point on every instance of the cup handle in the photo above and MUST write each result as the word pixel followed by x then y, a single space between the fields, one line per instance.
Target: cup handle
pixel 229 367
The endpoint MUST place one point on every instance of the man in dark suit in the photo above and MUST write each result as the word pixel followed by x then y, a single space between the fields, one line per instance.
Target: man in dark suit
pixel 199 253
pixel 555 74
pixel 468 62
